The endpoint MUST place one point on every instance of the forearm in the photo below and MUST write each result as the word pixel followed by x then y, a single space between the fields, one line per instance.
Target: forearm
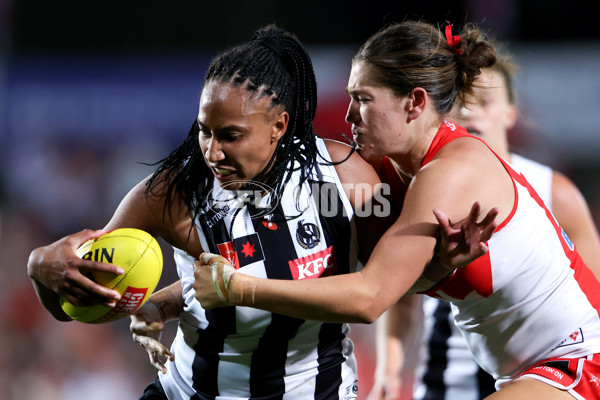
pixel 169 301
pixel 341 298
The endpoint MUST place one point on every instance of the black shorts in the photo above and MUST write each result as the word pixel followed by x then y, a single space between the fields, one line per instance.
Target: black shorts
pixel 154 391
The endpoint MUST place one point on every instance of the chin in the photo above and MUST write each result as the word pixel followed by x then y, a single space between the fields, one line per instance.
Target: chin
pixel 231 184
pixel 370 153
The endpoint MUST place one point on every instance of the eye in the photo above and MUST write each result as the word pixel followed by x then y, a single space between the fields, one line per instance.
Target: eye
pixel 202 131
pixel 228 137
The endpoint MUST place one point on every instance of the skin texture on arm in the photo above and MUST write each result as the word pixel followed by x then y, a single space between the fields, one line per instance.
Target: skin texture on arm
pixel 573 214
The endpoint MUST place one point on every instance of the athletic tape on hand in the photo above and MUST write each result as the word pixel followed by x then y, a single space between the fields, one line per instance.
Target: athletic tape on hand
pixel 226 271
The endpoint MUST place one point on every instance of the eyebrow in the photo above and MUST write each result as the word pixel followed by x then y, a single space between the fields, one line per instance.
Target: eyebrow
pixel 225 129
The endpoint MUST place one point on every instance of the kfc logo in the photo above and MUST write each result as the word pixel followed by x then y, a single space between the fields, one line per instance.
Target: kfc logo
pixel 315 265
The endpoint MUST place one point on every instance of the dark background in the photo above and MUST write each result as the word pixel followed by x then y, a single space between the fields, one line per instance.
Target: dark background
pixel 165 25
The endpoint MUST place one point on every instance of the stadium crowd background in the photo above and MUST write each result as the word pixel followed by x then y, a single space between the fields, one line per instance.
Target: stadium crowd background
pixel 89 91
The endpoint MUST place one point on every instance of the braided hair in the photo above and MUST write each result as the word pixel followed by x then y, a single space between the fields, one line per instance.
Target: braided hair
pixel 275 64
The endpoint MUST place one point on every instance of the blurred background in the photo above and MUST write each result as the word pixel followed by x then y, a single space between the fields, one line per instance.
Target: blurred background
pixel 90 90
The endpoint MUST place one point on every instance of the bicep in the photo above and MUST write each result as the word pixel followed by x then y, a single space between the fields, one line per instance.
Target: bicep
pixel 147 212
pixel 134 211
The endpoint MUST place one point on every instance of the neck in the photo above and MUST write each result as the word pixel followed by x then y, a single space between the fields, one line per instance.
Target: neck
pixel 410 163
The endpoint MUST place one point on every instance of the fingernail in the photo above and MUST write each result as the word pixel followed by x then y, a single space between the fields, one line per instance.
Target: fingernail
pixel 120 271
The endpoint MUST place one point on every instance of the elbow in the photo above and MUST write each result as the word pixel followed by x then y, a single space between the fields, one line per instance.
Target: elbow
pixel 370 311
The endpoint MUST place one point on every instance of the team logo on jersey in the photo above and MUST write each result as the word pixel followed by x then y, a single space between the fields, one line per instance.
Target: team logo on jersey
pixel 228 251
pixel 564 235
pixel 307 235
pixel 351 391
pixel 450 125
pixel 573 338
pixel 315 265
pixel 242 251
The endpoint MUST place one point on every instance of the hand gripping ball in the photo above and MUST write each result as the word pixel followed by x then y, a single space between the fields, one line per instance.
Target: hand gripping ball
pixel 140 256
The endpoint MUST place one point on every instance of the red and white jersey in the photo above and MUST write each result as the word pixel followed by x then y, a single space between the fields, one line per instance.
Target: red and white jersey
pixel 539 175
pixel 530 297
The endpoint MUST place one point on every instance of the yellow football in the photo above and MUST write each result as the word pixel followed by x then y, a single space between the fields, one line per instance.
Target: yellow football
pixel 140 256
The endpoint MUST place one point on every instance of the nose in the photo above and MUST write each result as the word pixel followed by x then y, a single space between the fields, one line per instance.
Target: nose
pixel 214 151
pixel 352 113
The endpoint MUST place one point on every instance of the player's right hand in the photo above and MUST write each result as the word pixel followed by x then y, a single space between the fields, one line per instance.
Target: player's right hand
pixel 57 267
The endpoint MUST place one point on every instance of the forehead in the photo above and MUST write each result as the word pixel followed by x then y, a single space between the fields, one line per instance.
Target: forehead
pixel 490 79
pixel 359 77
pixel 224 99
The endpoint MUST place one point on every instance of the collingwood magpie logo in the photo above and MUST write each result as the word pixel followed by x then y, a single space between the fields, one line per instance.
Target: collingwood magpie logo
pixel 307 235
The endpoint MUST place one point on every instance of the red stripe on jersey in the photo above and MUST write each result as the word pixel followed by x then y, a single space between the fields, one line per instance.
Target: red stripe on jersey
pixel 475 277
pixel 587 281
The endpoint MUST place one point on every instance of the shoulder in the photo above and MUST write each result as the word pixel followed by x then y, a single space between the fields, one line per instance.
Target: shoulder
pixel 564 191
pixel 349 165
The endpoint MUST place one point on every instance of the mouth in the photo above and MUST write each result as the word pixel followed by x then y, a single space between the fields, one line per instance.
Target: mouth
pixel 473 131
pixel 222 173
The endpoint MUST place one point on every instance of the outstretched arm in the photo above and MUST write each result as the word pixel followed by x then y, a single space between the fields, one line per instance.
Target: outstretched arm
pixel 397 261
pixel 458 245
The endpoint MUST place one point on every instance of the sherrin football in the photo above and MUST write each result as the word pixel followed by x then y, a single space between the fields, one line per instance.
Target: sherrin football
pixel 140 256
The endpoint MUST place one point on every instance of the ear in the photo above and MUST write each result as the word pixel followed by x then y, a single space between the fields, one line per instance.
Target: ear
pixel 280 126
pixel 511 117
pixel 417 101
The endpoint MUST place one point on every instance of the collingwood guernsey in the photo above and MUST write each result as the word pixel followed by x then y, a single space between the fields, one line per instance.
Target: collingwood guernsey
pixel 241 352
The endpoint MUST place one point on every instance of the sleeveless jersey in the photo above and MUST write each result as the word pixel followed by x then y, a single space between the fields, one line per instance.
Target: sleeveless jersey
pixel 241 352
pixel 539 175
pixel 530 297
pixel 447 370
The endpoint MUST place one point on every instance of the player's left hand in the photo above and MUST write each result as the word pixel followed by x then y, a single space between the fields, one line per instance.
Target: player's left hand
pixel 465 241
pixel 213 275
pixel 147 327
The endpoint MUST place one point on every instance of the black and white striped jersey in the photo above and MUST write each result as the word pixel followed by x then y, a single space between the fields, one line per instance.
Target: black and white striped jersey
pixel 241 352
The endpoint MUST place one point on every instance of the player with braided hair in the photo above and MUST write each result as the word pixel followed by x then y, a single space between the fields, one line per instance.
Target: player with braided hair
pixel 252 183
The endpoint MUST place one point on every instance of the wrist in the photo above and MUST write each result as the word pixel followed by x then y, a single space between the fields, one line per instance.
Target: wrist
pixel 437 271
pixel 242 290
